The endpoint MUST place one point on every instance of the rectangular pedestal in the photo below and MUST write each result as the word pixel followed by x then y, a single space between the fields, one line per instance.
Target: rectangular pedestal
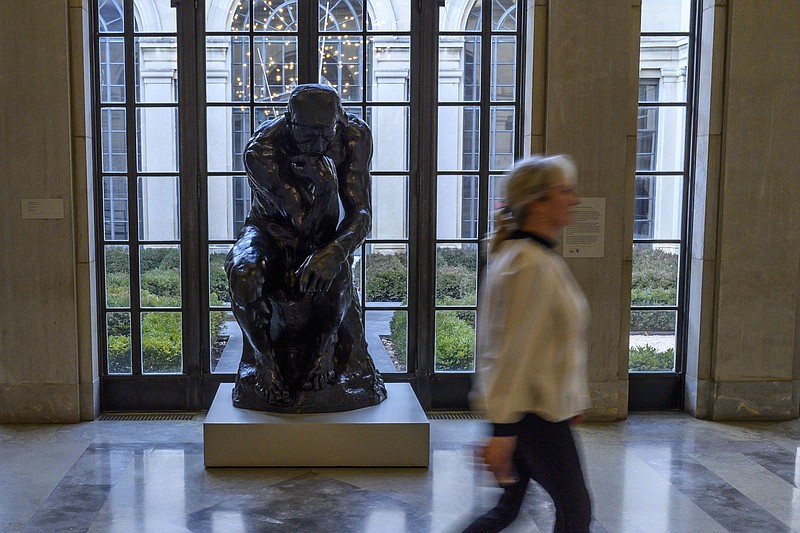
pixel 394 433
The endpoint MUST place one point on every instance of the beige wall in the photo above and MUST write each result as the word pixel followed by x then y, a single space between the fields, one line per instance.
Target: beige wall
pixel 744 322
pixel 744 349
pixel 45 271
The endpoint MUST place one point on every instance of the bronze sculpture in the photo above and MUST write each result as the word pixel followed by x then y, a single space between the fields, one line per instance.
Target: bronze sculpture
pixel 290 271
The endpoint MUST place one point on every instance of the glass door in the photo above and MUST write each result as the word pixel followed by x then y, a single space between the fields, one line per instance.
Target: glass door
pixel 445 124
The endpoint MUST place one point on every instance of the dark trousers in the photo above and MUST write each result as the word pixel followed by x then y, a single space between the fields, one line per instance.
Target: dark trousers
pixel 547 454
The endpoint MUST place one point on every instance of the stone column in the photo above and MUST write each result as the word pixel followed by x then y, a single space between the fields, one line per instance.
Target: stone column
pixel 591 91
pixel 744 320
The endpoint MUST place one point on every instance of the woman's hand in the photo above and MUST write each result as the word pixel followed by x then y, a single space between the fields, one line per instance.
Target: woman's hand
pixel 498 455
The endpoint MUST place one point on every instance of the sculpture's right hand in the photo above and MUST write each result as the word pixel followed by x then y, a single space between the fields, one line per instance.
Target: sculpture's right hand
pixel 314 168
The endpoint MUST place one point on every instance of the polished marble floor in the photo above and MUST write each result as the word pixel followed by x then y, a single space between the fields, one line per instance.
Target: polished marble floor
pixel 664 472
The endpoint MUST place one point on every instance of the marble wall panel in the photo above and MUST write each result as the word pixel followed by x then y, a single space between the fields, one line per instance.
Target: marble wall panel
pixel 38 341
pixel 759 241
pixel 591 109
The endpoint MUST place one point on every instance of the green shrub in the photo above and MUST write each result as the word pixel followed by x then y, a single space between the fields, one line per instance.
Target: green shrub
pixel 654 282
pixel 117 260
pixel 455 340
pixel 161 342
pixel 386 277
pixel 118 291
pixel 455 343
pixel 647 359
pixel 654 279
pixel 166 258
pixel 398 327
pixel 455 285
pixel 161 288
pixel 119 353
pixel 218 280
pixel 466 258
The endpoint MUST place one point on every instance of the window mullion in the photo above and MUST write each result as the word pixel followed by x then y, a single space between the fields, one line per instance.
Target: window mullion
pixel 133 192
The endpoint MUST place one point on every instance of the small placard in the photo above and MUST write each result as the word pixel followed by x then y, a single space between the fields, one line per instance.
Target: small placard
pixel 42 208
pixel 586 236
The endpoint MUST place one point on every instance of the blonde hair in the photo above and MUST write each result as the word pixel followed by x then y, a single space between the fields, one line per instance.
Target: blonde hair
pixel 531 178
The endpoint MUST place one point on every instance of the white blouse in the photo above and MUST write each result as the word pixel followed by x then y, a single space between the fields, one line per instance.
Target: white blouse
pixel 532 322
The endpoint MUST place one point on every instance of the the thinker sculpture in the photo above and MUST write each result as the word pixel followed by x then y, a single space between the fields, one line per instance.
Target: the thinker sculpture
pixel 290 271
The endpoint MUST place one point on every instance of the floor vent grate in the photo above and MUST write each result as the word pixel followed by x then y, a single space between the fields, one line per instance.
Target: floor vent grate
pixel 144 417
pixel 453 415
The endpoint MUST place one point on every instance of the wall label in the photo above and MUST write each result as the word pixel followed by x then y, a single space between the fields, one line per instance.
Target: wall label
pixel 42 208
pixel 585 237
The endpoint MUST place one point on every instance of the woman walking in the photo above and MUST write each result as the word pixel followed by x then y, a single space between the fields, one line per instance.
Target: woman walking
pixel 532 379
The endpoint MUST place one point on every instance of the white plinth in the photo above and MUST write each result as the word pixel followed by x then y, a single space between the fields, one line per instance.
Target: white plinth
pixel 394 433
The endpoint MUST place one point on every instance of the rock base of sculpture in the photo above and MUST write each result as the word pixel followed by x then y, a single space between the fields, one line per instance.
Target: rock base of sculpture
pixel 351 390
pixel 394 433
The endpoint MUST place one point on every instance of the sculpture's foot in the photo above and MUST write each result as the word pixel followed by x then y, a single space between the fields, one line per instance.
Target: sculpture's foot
pixel 270 386
pixel 318 380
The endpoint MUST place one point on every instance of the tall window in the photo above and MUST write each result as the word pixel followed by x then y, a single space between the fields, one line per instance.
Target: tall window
pixel 666 45
pixel 175 199
pixel 483 49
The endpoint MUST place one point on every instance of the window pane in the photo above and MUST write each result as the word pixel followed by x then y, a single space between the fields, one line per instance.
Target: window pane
pixel 459 68
pixel 652 341
pixel 386 333
pixel 228 130
pixel 118 276
pixel 399 19
pixel 390 135
pixel 356 269
pixel 459 138
pixel 389 207
pixel 658 207
pixel 112 69
pixel 456 274
pixel 340 15
pixel 497 198
pixel 275 15
pixel 228 68
pixel 218 295
pixel 160 275
pixel 455 341
pixel 110 16
pixel 388 67
pixel 275 69
pixel 228 206
pixel 387 274
pixel 504 15
pixel 655 274
pixel 157 139
pixel 156 67
pixel 663 65
pixel 217 15
pixel 226 342
pixel 152 21
pixel 159 212
pixel 661 138
pixel 457 207
pixel 503 124
pixel 504 68
pixel 341 65
pixel 266 113
pixel 451 17
pixel 118 343
pixel 162 343
pixel 666 15
pixel 113 139
pixel 115 208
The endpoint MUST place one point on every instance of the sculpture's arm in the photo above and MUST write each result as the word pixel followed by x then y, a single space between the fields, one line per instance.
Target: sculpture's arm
pixel 266 180
pixel 355 190
pixel 321 267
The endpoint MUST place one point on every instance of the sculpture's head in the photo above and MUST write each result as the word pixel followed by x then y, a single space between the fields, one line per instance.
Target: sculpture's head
pixel 314 115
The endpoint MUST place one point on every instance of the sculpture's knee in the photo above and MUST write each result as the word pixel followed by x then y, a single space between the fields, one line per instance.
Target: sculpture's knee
pixel 246 282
